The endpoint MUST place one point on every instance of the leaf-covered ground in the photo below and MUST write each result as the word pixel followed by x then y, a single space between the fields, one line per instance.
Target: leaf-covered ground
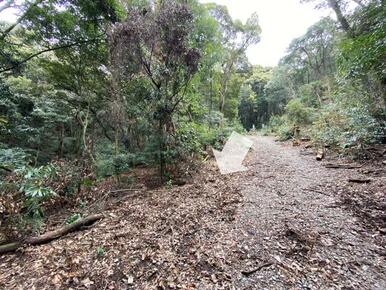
pixel 286 223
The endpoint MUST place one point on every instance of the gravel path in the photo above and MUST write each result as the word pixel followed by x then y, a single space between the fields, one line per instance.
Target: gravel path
pixel 293 235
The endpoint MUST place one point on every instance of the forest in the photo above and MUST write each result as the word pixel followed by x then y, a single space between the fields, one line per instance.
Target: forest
pixel 107 104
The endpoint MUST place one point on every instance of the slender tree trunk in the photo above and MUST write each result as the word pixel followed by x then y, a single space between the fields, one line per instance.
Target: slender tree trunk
pixel 334 4
pixel 161 150
pixel 210 100
pixel 225 80
pixel 61 141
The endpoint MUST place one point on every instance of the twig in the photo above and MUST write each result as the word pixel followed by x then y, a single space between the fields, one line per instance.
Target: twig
pixel 343 166
pixel 357 180
pixel 125 189
pixel 314 190
pixel 258 268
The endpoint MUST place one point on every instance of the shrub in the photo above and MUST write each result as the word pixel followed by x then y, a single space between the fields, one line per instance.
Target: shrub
pixel 34 184
pixel 352 127
pixel 285 132
pixel 114 165
pixel 297 113
pixel 22 195
pixel 12 158
pixel 280 125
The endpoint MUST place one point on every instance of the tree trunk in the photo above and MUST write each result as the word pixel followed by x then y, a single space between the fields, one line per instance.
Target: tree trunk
pixel 341 18
pixel 161 150
pixel 225 80
pixel 61 141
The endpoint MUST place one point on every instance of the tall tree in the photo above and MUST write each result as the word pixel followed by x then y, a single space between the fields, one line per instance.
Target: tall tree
pixel 237 38
pixel 153 45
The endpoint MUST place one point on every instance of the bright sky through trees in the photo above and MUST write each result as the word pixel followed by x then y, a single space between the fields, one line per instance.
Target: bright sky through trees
pixel 280 21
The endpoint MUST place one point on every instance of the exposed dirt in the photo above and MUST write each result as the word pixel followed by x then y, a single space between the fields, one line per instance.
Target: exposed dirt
pixel 286 223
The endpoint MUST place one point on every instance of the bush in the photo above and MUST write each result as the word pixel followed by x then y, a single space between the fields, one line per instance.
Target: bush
pixel 114 165
pixel 297 113
pixel 285 132
pixel 346 127
pixel 13 158
pixel 281 127
pixel 22 195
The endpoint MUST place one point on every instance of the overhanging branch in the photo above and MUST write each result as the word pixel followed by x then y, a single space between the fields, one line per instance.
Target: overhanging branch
pixel 47 50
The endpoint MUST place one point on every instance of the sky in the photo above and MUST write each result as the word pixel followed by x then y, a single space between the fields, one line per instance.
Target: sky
pixel 281 21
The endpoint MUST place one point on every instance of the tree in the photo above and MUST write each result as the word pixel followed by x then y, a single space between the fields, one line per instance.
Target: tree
pixel 254 109
pixel 153 45
pixel 237 38
pixel 311 56
pixel 52 25
pixel 338 6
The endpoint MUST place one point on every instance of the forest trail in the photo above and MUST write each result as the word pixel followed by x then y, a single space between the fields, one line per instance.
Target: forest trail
pixel 279 225
pixel 292 224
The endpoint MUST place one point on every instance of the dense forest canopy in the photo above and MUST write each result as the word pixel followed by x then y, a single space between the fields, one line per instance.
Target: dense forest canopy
pixel 91 89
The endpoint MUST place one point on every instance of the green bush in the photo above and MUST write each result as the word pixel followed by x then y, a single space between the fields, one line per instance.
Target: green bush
pixel 285 132
pixel 114 165
pixel 297 113
pixel 34 184
pixel 346 127
pixel 275 122
pixel 281 127
pixel 13 158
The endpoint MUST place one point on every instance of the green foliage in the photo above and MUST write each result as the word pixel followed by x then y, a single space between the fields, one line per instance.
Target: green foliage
pixel 34 179
pixel 280 126
pixel 100 251
pixel 13 158
pixel 73 218
pixel 312 94
pixel 346 128
pixel 33 183
pixel 114 165
pixel 365 53
pixel 297 113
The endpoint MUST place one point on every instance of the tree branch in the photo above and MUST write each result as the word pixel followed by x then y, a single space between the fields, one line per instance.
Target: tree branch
pixel 6 5
pixel 20 19
pixel 44 51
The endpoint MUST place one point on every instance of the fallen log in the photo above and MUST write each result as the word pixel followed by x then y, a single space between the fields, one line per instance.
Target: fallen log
pixel 52 235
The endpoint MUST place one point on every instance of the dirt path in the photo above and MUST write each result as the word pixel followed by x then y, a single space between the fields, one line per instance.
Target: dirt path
pixel 279 225
pixel 293 233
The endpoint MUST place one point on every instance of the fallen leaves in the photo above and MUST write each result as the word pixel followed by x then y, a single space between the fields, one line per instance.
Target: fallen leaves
pixel 171 238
